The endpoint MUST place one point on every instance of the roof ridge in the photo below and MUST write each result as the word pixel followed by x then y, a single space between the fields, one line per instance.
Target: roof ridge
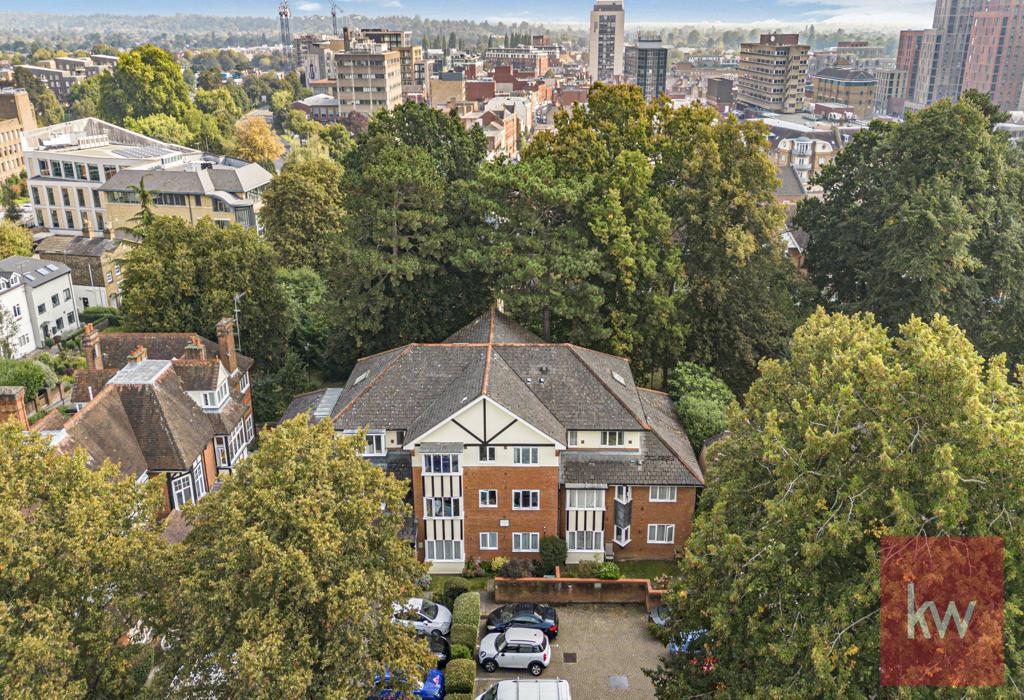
pixel 642 421
pixel 654 431
pixel 653 391
pixel 489 351
pixel 391 363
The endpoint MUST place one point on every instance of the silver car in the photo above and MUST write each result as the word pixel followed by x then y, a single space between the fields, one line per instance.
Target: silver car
pixel 426 616
pixel 528 689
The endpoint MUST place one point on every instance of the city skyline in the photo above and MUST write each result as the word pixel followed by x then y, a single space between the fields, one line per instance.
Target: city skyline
pixel 862 13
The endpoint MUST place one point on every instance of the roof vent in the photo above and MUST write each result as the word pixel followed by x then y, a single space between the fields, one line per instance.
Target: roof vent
pixel 619 378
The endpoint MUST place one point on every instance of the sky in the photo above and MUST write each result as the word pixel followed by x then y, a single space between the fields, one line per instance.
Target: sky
pixel 846 13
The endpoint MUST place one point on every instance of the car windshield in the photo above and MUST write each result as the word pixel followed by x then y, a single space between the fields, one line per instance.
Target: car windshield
pixel 490 694
pixel 429 609
pixel 499 643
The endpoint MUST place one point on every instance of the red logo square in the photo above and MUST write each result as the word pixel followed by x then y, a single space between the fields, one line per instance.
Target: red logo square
pixel 942 611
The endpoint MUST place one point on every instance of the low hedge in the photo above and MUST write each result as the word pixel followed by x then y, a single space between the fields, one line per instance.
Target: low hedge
pixel 464 635
pixel 461 651
pixel 466 619
pixel 459 676
pixel 459 696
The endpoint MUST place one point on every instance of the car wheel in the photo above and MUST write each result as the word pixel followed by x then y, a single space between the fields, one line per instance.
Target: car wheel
pixel 490 665
pixel 536 668
pixel 435 633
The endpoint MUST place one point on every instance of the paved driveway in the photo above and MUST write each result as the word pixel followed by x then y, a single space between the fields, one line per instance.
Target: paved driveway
pixel 611 644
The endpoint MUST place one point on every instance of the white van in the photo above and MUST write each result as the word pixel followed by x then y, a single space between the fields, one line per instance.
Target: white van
pixel 523 689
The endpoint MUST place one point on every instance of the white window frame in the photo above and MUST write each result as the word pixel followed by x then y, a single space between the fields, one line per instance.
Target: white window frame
pixel 622 535
pixel 533 498
pixel 488 541
pixel 619 441
pixel 250 431
pixel 431 505
pixel 623 494
pixel 434 464
pixel 183 490
pixel 662 494
pixel 669 536
pixel 584 499
pixel 484 497
pixel 531 453
pixel 375 445
pixel 453 547
pixel 572 438
pixel 532 542
pixel 585 540
pixel 199 477
pixel 243 383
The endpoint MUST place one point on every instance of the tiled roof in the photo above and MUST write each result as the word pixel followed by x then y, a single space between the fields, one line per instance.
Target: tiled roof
pixel 116 347
pixel 198 375
pixel 103 430
pixel 78 246
pixel 32 269
pixel 88 383
pixel 789 183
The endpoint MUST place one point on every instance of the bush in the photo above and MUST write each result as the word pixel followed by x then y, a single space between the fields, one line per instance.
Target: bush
pixel 497 563
pixel 474 568
pixel 452 589
pixel 34 376
pixel 459 696
pixel 466 620
pixel 587 568
pixel 460 676
pixel 461 651
pixel 517 568
pixel 609 570
pixel 702 400
pixel 553 552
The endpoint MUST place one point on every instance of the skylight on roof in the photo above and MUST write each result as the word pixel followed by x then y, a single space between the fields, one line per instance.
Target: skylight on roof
pixel 619 378
pixel 28 275
pixel 42 271
pixel 51 267
pixel 361 377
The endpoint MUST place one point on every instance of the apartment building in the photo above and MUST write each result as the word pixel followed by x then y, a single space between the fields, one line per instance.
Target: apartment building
pixel 891 91
pixel 64 72
pixel 522 59
pixel 943 52
pixel 410 55
pixel 369 78
pixel 995 54
pixel 168 406
pixel 68 163
pixel 806 156
pixel 773 73
pixel 18 339
pixel 506 439
pixel 607 41
pixel 16 117
pixel 848 86
pixel 96 261
pixel 220 188
pixel 314 56
pixel 447 89
pixel 49 296
pixel 908 58
pixel 646 65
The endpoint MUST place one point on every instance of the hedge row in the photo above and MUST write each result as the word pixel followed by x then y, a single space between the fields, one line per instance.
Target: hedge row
pixel 459 677
pixel 459 696
pixel 466 620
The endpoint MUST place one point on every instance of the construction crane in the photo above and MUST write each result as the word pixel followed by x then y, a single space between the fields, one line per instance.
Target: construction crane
pixel 334 16
pixel 284 14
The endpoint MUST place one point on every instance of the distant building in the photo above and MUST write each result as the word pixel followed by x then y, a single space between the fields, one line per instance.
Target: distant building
pixel 773 73
pixel 850 86
pixel 719 94
pixel 369 78
pixel 995 55
pixel 646 65
pixel 891 91
pixel 908 58
pixel 64 72
pixel 49 296
pixel 16 117
pixel 96 264
pixel 940 70
pixel 806 156
pixel 522 59
pixel 607 41
pixel 14 303
pixel 447 88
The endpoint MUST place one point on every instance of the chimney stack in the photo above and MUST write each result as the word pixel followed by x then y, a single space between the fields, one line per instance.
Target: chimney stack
pixel 12 405
pixel 109 233
pixel 195 350
pixel 87 231
pixel 226 341
pixel 91 347
pixel 137 355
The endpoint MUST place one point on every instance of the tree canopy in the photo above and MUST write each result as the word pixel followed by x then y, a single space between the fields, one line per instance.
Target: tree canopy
pixel 76 572
pixel 48 109
pixel 702 401
pixel 14 239
pixel 857 435
pixel 287 580
pixel 254 141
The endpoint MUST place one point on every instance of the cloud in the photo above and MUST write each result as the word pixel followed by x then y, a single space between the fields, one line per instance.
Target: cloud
pixel 310 6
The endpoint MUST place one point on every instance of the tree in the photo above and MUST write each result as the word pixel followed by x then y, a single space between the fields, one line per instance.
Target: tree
pixel 81 558
pixel 9 199
pixel 184 277
pixel 221 105
pixel 162 127
pixel 983 101
pixel 144 216
pixel 147 80
pixel 254 141
pixel 856 436
pixel 85 98
pixel 14 239
pixel 303 215
pixel 8 333
pixel 288 577
pixel 922 217
pixel 48 109
pixel 702 401
pixel 338 141
pixel 33 375
pixel 307 306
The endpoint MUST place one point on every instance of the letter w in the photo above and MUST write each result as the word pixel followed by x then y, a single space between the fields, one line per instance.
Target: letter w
pixel 953 613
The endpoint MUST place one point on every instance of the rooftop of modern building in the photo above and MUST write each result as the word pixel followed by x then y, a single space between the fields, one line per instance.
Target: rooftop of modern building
pixel 33 271
pixel 96 138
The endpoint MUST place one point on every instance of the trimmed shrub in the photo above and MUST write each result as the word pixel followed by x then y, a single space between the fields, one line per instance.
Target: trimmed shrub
pixel 517 568
pixel 464 635
pixel 587 568
pixel 497 563
pixel 461 651
pixel 460 676
pixel 466 610
pixel 459 696
pixel 553 552
pixel 609 570
pixel 452 589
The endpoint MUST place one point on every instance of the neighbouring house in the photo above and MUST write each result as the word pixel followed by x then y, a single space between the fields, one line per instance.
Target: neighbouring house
pixel 507 439
pixel 96 263
pixel 49 296
pixel 15 324
pixel 168 406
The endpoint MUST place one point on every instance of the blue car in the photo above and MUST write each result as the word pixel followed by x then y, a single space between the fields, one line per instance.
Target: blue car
pixel 432 688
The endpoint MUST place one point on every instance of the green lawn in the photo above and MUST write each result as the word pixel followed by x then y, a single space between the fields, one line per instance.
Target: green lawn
pixel 647 569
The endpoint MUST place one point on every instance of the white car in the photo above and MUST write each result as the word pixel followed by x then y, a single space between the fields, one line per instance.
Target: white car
pixel 528 689
pixel 427 617
pixel 516 647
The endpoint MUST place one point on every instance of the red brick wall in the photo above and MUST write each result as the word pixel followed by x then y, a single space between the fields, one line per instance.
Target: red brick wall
pixel 477 90
pixel 576 590
pixel 505 480
pixel 679 514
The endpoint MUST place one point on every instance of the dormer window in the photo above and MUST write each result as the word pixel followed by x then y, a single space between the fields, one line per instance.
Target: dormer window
pixel 374 445
pixel 213 399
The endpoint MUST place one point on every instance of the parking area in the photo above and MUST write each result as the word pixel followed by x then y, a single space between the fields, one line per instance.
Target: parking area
pixel 600 649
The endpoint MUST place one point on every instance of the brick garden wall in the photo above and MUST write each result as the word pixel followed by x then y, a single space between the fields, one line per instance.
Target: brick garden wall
pixel 555 591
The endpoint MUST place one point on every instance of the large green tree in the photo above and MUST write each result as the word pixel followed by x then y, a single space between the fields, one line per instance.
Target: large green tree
pixel 184 277
pixel 14 239
pixel 857 435
pixel 286 582
pixel 147 80
pixel 48 109
pixel 77 568
pixel 925 216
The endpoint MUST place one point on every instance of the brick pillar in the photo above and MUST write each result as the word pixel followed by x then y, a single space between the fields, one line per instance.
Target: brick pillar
pixel 91 347
pixel 226 341
pixel 12 405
